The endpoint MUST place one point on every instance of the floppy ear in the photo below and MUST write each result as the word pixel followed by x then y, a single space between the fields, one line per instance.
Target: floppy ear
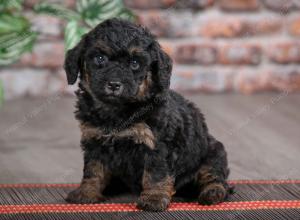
pixel 73 62
pixel 161 67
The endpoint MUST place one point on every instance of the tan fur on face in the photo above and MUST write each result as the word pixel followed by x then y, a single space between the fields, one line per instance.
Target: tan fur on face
pixel 135 50
pixel 104 47
pixel 86 74
pixel 144 87
pixel 139 132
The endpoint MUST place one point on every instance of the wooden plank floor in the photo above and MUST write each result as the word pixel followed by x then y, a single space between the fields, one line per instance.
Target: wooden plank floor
pixel 39 138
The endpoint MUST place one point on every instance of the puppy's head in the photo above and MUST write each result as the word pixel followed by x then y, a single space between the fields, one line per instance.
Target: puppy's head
pixel 119 62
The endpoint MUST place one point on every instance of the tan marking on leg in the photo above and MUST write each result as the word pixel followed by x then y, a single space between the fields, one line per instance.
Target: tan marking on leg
pixel 156 196
pixel 99 175
pixel 165 186
pixel 90 189
pixel 204 176
pixel 96 177
pixel 211 190
pixel 212 193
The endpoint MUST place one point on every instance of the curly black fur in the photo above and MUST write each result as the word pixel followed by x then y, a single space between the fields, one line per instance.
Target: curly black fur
pixel 139 131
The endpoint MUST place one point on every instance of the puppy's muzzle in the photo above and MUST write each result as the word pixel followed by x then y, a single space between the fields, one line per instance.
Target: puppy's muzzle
pixel 114 88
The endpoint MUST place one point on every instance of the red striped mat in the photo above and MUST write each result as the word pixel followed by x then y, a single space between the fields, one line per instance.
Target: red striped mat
pixel 253 199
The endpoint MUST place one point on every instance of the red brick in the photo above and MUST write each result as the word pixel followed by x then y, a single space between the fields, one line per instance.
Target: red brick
pixel 200 64
pixel 168 4
pixel 271 78
pixel 45 55
pixel 230 27
pixel 146 4
pixel 263 26
pixel 49 27
pixel 156 22
pixel 248 82
pixel 294 27
pixel 222 27
pixel 297 3
pixel 284 79
pixel 239 54
pixel 205 54
pixel 24 81
pixel 168 47
pixel 168 24
pixel 284 53
pixel 239 5
pixel 195 80
pixel 282 6
pixel 194 4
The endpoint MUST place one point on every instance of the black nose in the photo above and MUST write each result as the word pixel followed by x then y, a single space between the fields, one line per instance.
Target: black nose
pixel 114 86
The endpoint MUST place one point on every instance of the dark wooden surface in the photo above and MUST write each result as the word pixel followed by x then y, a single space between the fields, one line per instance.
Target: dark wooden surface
pixel 39 138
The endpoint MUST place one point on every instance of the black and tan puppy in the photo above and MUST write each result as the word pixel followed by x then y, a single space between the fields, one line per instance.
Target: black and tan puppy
pixel 134 127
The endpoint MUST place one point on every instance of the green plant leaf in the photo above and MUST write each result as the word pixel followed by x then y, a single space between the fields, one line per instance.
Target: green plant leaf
pixel 17 38
pixel 127 14
pixel 56 10
pixel 12 23
pixel 18 43
pixel 73 34
pixel 8 5
pixel 94 12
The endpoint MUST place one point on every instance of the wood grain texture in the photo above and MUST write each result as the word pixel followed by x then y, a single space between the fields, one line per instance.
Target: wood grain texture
pixel 261 134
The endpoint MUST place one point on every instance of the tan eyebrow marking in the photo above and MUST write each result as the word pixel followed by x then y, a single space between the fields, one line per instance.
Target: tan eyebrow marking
pixel 133 50
pixel 104 47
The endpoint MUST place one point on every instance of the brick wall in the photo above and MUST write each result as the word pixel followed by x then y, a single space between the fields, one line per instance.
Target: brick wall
pixel 241 46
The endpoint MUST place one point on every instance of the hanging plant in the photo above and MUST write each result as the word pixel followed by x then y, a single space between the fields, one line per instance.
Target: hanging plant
pixel 87 15
pixel 18 37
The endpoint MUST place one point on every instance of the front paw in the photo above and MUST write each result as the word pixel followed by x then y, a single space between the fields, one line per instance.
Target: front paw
pixel 84 196
pixel 211 194
pixel 153 202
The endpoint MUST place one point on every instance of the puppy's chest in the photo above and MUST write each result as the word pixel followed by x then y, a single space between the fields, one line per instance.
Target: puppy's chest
pixel 136 134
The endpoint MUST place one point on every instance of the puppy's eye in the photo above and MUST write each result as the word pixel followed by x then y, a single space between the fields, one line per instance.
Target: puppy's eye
pixel 100 59
pixel 134 65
